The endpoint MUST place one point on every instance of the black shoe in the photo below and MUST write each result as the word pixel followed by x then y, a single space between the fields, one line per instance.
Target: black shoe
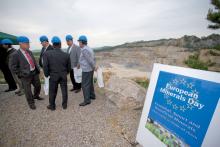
pixel 17 92
pixel 20 94
pixel 10 89
pixel 64 106
pixel 77 91
pixel 84 103
pixel 72 89
pixel 39 98
pixel 93 98
pixel 33 107
pixel 51 108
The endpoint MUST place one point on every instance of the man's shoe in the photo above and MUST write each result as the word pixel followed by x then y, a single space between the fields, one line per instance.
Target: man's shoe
pixel 51 108
pixel 93 98
pixel 17 92
pixel 84 103
pixel 39 98
pixel 10 89
pixel 72 89
pixel 77 91
pixel 21 93
pixel 64 106
pixel 33 107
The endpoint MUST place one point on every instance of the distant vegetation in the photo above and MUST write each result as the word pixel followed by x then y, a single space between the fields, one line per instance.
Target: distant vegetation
pixel 211 52
pixel 214 15
pixel 143 82
pixel 217 47
pixel 194 62
pixel 36 54
pixel 190 42
pixel 104 48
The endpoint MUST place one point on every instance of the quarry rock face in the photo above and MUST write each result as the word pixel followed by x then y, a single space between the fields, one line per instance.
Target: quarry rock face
pixel 125 93
pixel 190 42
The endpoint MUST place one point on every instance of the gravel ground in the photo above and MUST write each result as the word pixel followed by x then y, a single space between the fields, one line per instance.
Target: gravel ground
pixel 100 124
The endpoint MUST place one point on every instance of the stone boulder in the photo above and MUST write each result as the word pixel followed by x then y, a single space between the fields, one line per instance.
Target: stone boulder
pixel 125 93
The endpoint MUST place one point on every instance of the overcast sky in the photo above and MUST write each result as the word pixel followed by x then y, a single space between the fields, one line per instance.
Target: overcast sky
pixel 105 22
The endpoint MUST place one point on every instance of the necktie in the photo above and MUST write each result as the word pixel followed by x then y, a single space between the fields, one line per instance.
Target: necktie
pixel 45 48
pixel 30 60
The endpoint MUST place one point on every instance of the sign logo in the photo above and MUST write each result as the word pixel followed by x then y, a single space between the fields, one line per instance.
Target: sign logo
pixel 183 91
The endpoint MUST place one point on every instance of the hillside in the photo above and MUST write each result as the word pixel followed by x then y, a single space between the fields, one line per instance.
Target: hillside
pixel 190 42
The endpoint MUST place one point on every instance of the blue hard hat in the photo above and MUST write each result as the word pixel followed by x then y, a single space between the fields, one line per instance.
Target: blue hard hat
pixel 56 39
pixel 82 38
pixel 6 41
pixel 23 39
pixel 43 38
pixel 69 37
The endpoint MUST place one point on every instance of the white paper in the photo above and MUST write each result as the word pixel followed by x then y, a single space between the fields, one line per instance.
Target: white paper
pixel 100 78
pixel 77 74
pixel 46 85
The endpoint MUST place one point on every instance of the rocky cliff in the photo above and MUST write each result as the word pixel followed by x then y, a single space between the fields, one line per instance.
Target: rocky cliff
pixel 190 42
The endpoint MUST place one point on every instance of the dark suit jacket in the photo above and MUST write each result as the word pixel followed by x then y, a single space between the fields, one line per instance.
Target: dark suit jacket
pixel 42 53
pixel 56 62
pixel 20 65
pixel 9 55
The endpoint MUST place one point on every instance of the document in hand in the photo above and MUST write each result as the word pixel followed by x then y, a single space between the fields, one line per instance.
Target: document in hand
pixel 77 74
pixel 46 85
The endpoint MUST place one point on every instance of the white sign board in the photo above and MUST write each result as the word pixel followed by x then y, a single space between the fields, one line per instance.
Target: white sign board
pixel 181 108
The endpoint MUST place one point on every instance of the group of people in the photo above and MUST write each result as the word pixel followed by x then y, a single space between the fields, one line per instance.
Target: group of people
pixel 56 64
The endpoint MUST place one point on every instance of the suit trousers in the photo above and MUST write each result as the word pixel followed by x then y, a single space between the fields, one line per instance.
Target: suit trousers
pixel 27 82
pixel 87 86
pixel 54 81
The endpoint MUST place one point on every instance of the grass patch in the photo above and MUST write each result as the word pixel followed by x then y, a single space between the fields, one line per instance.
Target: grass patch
pixel 194 62
pixel 143 82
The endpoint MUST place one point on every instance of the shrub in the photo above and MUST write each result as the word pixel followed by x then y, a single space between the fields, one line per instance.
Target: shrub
pixel 142 82
pixel 213 53
pixel 194 62
pixel 217 47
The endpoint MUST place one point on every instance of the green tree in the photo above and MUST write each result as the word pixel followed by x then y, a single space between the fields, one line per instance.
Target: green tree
pixel 214 15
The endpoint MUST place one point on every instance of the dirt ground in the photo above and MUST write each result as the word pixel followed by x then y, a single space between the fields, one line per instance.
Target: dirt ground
pixel 100 124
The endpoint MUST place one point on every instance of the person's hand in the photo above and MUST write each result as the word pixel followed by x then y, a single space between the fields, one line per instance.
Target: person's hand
pixel 96 68
pixel 78 66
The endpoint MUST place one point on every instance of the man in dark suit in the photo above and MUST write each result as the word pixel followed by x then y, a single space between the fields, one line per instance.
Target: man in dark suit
pixel 57 66
pixel 45 47
pixel 7 44
pixel 5 70
pixel 26 68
